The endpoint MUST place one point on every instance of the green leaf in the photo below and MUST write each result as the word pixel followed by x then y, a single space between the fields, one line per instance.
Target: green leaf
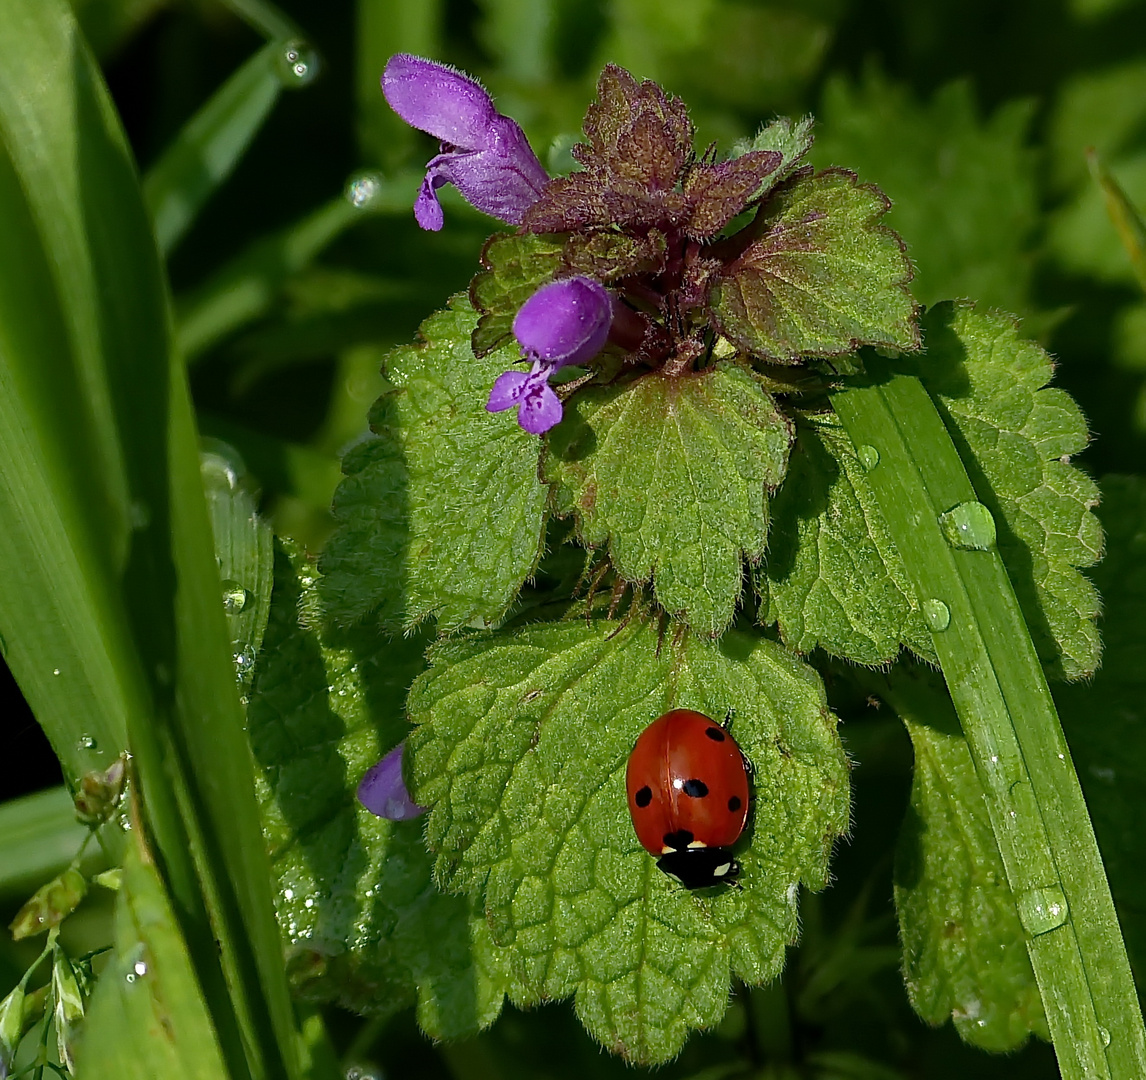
pixel 673 474
pixel 147 1017
pixel 963 190
pixel 964 951
pixel 209 146
pixel 363 922
pixel 520 748
pixel 443 514
pixel 1016 437
pixel 821 277
pixel 1103 718
pixel 791 139
pixel 515 266
pixel 833 577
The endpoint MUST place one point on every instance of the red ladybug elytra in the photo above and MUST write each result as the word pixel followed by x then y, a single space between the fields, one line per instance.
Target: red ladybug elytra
pixel 688 797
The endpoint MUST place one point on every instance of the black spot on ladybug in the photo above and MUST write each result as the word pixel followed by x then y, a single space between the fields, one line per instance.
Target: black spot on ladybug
pixel 678 840
pixel 644 796
pixel 715 734
pixel 734 803
pixel 695 789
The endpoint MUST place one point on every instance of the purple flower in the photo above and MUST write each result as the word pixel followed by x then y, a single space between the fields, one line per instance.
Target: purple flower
pixel 383 791
pixel 484 155
pixel 564 322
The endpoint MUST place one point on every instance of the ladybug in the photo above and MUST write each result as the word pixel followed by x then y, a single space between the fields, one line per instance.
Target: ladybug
pixel 688 797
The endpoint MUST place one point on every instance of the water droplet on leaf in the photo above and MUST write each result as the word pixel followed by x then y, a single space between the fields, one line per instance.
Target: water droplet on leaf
pixel 869 456
pixel 362 190
pixel 138 514
pixel 1104 1035
pixel 298 64
pixel 936 614
pixel 1042 910
pixel 55 671
pixel 235 597
pixel 244 661
pixel 969 525
pixel 86 742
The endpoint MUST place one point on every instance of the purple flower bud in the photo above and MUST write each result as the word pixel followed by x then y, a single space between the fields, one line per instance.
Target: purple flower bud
pixel 484 155
pixel 564 322
pixel 383 791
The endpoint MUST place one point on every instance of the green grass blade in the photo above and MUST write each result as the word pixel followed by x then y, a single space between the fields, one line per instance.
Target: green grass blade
pixel 1034 800
pixel 206 151
pixel 263 17
pixel 109 528
pixel 1126 218
pixel 147 1017
pixel 245 288
pixel 39 836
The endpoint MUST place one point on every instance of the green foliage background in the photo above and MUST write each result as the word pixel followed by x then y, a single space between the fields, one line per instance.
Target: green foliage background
pixel 975 119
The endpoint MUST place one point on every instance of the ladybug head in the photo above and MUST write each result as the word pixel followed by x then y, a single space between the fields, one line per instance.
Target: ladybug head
pixel 700 867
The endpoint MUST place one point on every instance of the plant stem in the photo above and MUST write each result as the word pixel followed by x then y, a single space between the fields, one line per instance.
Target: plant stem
pixel 995 680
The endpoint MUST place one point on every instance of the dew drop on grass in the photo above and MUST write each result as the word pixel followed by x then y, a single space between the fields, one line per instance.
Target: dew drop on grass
pixel 1104 1035
pixel 969 525
pixel 244 661
pixel 298 64
pixel 1042 910
pixel 362 190
pixel 869 456
pixel 235 597
pixel 936 614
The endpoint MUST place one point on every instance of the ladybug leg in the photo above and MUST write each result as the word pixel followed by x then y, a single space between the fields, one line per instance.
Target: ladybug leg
pixel 728 718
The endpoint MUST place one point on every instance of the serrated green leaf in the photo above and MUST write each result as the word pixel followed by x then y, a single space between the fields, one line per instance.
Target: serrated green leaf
pixel 673 474
pixel 1104 719
pixel 791 139
pixel 963 189
pixel 833 577
pixel 964 950
pixel 1016 436
pixel 822 276
pixel 520 748
pixel 363 922
pixel 443 513
pixel 515 265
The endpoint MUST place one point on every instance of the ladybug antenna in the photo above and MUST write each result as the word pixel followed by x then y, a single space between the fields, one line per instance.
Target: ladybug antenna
pixel 728 717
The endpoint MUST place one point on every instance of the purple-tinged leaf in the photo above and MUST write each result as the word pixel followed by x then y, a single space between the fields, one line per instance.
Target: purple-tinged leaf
pixel 822 277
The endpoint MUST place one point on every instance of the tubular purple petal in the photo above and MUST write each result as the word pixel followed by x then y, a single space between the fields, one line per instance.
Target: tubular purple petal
pixel 383 791
pixel 485 155
pixel 565 322
pixel 440 101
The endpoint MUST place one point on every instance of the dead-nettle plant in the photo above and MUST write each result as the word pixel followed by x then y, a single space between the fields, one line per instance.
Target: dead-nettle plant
pixel 688 442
